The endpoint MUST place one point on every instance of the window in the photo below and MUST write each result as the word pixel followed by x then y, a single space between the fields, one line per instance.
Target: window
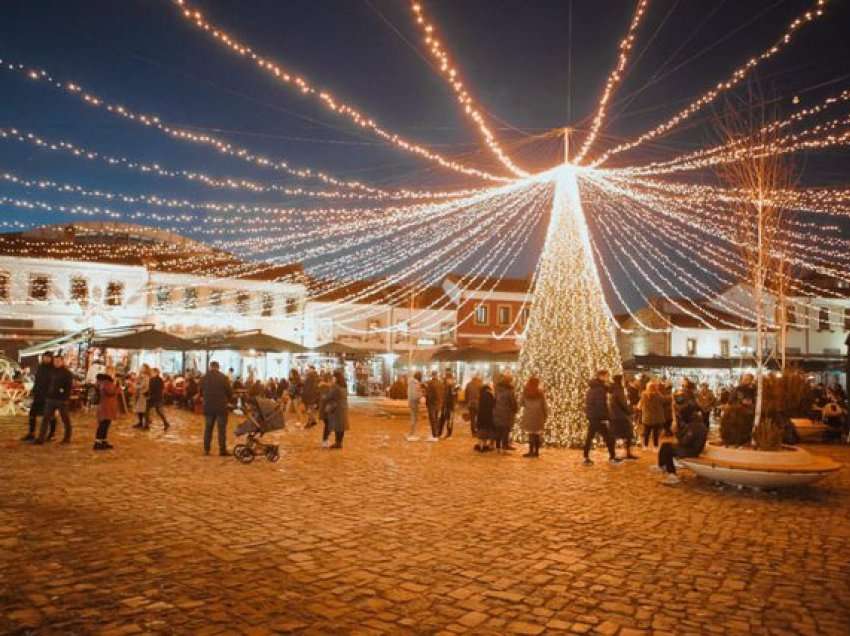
pixel 372 330
pixel 504 315
pixel 446 328
pixel 4 286
pixel 243 301
pixel 114 294
pixel 846 318
pixel 39 287
pixel 691 346
pixel 190 298
pixel 791 315
pixel 163 296
pixel 216 299
pixel 290 305
pixel 724 348
pixel 823 319
pixel 80 290
pixel 268 305
pixel 481 315
pixel 526 313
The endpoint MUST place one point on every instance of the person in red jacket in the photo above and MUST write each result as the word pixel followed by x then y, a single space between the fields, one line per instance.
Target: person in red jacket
pixel 107 407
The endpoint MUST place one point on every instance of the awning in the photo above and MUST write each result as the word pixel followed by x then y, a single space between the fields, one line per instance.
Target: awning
pixel 257 341
pixel 338 348
pixel 57 343
pixel 147 340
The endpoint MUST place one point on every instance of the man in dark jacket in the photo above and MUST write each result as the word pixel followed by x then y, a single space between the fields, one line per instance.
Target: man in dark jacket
pixel 434 395
pixel 691 436
pixel 310 396
pixel 58 394
pixel 39 392
pixel 156 388
pixel 596 410
pixel 217 394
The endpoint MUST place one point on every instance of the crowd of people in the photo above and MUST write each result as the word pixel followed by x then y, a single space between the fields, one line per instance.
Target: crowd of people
pixel 651 412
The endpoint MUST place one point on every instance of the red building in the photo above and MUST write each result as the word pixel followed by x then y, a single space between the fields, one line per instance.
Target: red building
pixel 491 313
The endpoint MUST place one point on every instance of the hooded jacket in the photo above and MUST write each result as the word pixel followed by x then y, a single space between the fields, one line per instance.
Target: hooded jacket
pixel 596 400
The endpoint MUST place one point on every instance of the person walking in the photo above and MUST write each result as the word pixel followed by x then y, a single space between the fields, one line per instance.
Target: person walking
pixel 471 394
pixel 434 395
pixel 706 401
pixel 58 394
pixel 310 396
pixel 447 414
pixel 504 412
pixel 156 388
pixel 140 403
pixel 39 393
pixel 485 429
pixel 217 395
pixel 414 397
pixel 534 415
pixel 336 406
pixel 295 388
pixel 107 407
pixel 652 414
pixel 620 412
pixel 596 410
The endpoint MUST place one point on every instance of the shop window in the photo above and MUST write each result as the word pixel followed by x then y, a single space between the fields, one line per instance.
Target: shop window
pixel 243 302
pixel 80 290
pixel 4 285
pixel 267 305
pixel 163 296
pixel 39 287
pixel 190 298
pixel 114 294
pixel 481 315
pixel 691 346
pixel 823 319
pixel 504 315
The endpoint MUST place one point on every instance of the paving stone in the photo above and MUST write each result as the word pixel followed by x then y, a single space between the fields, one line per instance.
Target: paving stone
pixel 391 537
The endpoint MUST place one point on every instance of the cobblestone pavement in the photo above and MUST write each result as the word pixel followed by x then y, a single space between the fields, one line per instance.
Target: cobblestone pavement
pixel 393 537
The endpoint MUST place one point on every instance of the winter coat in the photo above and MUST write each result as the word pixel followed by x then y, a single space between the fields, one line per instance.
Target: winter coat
pixel 534 414
pixel 472 393
pixel 414 392
pixel 60 385
pixel 107 407
pixel 216 391
pixel 450 396
pixel 43 375
pixel 142 389
pixel 596 401
pixel 310 390
pixel 434 393
pixel 691 437
pixel 156 387
pixel 652 409
pixel 620 412
pixel 706 400
pixel 484 422
pixel 505 408
pixel 336 407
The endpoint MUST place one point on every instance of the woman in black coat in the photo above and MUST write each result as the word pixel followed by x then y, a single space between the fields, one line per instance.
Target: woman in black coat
pixel 39 393
pixel 620 413
pixel 486 430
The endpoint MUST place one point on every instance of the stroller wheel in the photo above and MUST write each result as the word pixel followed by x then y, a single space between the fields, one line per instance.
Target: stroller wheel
pixel 243 454
pixel 273 454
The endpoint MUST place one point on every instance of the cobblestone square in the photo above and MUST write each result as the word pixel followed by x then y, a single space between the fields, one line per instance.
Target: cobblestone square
pixel 395 537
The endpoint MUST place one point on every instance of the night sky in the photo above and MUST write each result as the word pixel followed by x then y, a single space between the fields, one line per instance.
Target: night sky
pixel 514 56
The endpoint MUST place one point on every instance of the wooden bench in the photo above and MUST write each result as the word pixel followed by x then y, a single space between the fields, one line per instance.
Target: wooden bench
pixel 810 430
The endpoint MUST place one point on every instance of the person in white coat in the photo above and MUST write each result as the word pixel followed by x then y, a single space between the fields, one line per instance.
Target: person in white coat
pixel 414 397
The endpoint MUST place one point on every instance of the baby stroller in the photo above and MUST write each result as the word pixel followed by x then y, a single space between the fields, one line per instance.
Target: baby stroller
pixel 264 415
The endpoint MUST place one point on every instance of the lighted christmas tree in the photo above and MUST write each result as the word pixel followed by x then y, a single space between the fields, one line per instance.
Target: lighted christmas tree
pixel 569 335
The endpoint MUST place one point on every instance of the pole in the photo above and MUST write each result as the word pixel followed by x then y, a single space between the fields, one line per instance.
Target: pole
pixel 410 335
pixel 566 145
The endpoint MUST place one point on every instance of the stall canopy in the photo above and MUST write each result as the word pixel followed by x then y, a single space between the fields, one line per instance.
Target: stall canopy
pixel 147 339
pixel 248 340
pixel 77 337
pixel 339 349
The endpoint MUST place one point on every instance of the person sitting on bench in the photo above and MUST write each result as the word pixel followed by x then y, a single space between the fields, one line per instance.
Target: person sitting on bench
pixel 691 435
